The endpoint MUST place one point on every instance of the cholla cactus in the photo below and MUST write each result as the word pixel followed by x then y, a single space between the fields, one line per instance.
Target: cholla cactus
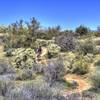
pixel 53 49
pixel 42 42
pixel 51 42
pixel 23 58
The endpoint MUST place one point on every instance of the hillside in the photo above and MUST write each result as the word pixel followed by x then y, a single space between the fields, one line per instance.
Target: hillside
pixel 16 78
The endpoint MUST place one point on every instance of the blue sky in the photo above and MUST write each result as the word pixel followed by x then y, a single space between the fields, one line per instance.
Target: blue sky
pixel 67 13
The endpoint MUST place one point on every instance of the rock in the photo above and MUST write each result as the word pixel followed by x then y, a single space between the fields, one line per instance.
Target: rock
pixel 74 84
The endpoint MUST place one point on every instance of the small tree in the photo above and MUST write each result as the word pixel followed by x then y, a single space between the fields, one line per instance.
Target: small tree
pixel 21 34
pixel 52 32
pixel 82 30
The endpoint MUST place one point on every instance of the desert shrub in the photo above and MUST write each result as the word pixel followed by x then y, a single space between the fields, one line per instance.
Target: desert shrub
pixel 22 34
pixel 52 32
pixel 53 50
pixel 24 75
pixel 42 91
pixel 95 78
pixel 86 47
pixel 66 42
pixel 3 29
pixel 35 90
pixel 54 71
pixel 68 59
pixel 80 67
pixel 13 92
pixel 97 50
pixel 9 52
pixel 38 68
pixel 2 87
pixel 23 58
pixel 29 73
pixel 5 67
pixel 97 42
pixel 97 63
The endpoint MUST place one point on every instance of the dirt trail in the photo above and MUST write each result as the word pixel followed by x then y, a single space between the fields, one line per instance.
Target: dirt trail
pixel 82 84
pixel 43 59
pixel 44 51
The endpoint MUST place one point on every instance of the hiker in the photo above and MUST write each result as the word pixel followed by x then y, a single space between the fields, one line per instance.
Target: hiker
pixel 39 51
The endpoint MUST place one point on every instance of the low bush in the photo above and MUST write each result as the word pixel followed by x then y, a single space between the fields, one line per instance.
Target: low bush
pixel 9 52
pixel 86 47
pixel 67 43
pixel 5 67
pixel 97 63
pixel 24 75
pixel 54 71
pixel 80 67
pixel 97 42
pixel 33 91
pixel 95 78
pixel 29 74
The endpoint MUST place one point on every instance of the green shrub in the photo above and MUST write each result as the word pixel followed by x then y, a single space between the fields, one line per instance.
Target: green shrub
pixel 82 30
pixel 97 63
pixel 24 75
pixel 80 67
pixel 29 74
pixel 9 52
pixel 86 47
pixel 95 78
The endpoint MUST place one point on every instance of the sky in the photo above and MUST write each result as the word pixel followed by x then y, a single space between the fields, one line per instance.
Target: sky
pixel 69 14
